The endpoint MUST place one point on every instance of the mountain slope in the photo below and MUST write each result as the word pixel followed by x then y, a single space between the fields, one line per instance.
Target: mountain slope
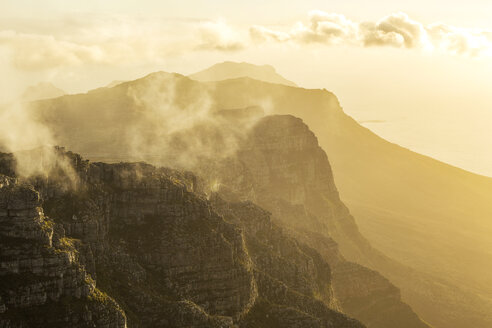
pixel 281 167
pixel 228 70
pixel 439 202
pixel 442 212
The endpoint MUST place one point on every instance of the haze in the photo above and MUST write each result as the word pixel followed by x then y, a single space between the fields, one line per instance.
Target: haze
pixel 434 99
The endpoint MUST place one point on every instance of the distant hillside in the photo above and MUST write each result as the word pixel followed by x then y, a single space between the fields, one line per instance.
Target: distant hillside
pixel 424 213
pixel 231 70
pixel 114 83
pixel 43 90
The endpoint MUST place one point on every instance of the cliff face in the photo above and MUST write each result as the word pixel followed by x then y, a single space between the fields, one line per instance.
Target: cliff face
pixel 294 282
pixel 42 281
pixel 281 167
pixel 168 256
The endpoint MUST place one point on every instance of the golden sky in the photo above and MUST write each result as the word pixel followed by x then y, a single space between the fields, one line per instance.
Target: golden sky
pixel 422 67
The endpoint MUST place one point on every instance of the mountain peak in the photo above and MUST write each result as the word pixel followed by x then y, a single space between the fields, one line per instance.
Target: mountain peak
pixel 231 70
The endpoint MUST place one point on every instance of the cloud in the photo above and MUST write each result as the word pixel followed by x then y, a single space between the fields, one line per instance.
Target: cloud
pixel 262 34
pixel 324 28
pixel 395 30
pixel 125 41
pixel 31 143
pixel 116 41
pixel 217 35
pixel 460 41
pixel 178 128
pixel 31 51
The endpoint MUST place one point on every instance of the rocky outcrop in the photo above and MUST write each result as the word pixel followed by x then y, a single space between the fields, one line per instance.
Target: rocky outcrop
pixel 169 257
pixel 294 282
pixel 281 167
pixel 42 282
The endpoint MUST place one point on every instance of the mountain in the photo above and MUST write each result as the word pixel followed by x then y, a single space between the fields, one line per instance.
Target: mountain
pixel 133 112
pixel 228 70
pixel 114 83
pixel 436 215
pixel 431 216
pixel 133 223
pixel 42 90
pixel 281 167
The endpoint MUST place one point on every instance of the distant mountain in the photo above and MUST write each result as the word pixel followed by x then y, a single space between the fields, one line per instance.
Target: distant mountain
pixel 42 90
pixel 232 70
pixel 428 215
pixel 114 83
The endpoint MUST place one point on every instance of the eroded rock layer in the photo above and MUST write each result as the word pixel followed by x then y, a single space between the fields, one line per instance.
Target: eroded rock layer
pixel 166 254
pixel 281 167
pixel 42 282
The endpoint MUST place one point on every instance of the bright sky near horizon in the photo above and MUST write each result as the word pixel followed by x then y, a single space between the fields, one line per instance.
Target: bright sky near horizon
pixel 423 68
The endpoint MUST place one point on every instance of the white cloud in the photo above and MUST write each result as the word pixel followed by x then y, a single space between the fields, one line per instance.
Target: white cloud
pixel 261 34
pixel 118 41
pixel 125 41
pixel 217 35
pixel 395 30
pixel 31 51
pixel 461 41
pixel 324 28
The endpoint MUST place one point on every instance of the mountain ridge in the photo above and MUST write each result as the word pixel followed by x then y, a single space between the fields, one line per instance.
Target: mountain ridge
pixel 235 70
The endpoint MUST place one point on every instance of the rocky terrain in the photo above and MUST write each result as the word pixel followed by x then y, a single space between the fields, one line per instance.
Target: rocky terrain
pixel 43 283
pixel 281 167
pixel 176 250
pixel 166 253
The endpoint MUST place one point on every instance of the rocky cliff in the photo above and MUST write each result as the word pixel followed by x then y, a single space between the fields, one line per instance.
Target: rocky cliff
pixel 281 167
pixel 166 255
pixel 43 283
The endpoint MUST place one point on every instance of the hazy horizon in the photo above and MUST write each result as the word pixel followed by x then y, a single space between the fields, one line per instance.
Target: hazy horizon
pixel 451 139
pixel 425 69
